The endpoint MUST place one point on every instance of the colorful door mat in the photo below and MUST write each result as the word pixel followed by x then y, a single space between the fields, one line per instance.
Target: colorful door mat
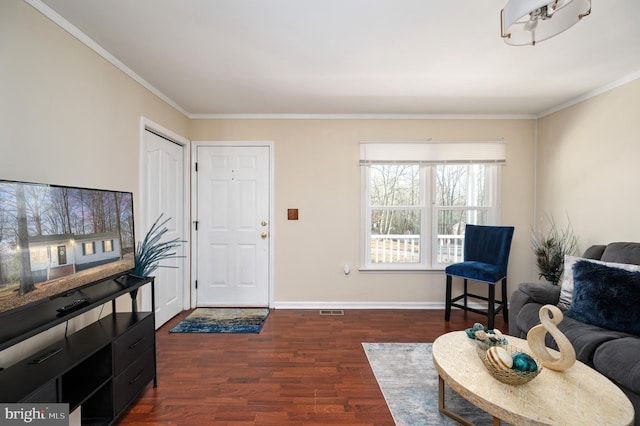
pixel 223 320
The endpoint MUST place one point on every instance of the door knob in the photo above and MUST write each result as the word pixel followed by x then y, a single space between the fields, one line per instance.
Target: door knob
pixel 263 235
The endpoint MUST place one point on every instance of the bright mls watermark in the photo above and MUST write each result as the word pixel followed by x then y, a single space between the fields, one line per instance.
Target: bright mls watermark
pixel 34 414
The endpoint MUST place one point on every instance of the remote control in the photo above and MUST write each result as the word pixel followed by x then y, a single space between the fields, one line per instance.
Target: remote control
pixel 72 306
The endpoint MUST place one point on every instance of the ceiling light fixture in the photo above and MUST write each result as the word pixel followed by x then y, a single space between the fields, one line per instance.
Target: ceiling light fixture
pixel 524 22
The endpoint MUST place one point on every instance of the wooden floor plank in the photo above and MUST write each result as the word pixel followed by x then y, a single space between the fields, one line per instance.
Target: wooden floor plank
pixel 303 369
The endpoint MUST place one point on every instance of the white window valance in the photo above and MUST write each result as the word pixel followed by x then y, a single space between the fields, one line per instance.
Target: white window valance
pixel 432 152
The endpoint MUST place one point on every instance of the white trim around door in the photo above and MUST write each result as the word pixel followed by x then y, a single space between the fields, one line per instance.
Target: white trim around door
pixel 148 125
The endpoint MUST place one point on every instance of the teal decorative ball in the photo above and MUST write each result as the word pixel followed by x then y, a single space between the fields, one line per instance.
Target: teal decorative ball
pixel 524 362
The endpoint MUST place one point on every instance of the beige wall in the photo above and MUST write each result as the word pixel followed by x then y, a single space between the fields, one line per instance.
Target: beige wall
pixel 589 166
pixel 317 171
pixel 67 117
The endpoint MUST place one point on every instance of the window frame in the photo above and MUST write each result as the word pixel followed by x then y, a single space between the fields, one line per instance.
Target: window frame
pixel 107 246
pixel 91 244
pixel 428 216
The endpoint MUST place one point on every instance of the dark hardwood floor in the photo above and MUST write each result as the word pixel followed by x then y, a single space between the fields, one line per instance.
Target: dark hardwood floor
pixel 302 369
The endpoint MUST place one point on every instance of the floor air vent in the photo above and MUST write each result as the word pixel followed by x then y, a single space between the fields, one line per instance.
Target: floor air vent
pixel 331 312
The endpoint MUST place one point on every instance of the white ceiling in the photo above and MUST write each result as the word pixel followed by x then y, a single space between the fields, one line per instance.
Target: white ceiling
pixel 354 57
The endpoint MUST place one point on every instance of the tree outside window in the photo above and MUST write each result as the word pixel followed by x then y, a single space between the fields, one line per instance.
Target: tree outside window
pixel 416 213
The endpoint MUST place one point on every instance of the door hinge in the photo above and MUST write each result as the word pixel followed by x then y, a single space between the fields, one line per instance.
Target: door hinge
pixel 196 223
pixel 196 166
pixel 196 284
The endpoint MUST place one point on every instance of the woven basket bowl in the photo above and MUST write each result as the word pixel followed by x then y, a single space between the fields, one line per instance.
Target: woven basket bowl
pixel 510 377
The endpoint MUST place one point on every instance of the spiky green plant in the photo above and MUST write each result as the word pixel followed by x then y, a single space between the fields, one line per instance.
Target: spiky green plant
pixel 551 248
pixel 151 251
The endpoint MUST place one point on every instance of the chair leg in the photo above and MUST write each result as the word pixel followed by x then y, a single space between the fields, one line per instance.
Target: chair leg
pixel 465 293
pixel 505 309
pixel 491 306
pixel 447 309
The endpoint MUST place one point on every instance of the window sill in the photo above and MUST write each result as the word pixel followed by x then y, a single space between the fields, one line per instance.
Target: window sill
pixel 368 269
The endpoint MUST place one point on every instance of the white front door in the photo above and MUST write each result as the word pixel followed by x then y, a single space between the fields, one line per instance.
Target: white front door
pixel 163 181
pixel 233 184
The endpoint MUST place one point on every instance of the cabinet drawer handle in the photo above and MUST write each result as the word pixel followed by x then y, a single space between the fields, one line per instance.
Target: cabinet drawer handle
pixel 136 343
pixel 135 379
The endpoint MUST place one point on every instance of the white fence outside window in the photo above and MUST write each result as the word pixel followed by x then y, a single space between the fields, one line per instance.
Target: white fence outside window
pixel 394 248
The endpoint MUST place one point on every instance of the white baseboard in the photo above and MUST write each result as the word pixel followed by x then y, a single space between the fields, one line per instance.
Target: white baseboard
pixel 366 305
pixel 359 305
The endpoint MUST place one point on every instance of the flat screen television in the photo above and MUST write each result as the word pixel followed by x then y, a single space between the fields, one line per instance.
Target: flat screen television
pixel 55 240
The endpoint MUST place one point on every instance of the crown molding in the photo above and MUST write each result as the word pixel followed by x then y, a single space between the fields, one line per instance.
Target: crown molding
pixel 83 38
pixel 90 43
pixel 591 94
pixel 362 116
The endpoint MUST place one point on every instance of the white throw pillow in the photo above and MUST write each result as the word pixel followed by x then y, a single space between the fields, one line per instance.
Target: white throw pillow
pixel 566 289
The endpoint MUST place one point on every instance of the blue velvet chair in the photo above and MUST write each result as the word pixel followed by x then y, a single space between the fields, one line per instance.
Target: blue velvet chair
pixel 486 255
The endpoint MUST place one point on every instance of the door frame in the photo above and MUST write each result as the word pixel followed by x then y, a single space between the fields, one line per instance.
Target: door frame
pixel 194 207
pixel 146 124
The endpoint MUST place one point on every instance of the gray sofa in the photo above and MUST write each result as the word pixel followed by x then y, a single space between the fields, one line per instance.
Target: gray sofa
pixel 615 354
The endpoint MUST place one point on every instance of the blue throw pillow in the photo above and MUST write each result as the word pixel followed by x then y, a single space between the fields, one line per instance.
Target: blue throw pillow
pixel 607 297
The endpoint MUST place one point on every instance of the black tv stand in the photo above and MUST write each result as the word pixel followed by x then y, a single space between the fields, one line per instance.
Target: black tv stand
pixel 19 325
pixel 45 356
pixel 127 279
pixel 103 367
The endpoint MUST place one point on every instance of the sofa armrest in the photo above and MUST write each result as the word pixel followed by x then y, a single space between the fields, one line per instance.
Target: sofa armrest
pixel 543 294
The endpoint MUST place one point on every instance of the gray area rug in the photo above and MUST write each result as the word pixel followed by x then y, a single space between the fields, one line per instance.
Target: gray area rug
pixel 409 382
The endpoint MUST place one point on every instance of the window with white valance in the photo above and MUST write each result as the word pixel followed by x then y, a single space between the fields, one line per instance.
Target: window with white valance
pixel 418 196
pixel 433 152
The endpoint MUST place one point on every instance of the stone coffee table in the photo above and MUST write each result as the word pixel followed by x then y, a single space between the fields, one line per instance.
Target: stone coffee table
pixel 577 396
